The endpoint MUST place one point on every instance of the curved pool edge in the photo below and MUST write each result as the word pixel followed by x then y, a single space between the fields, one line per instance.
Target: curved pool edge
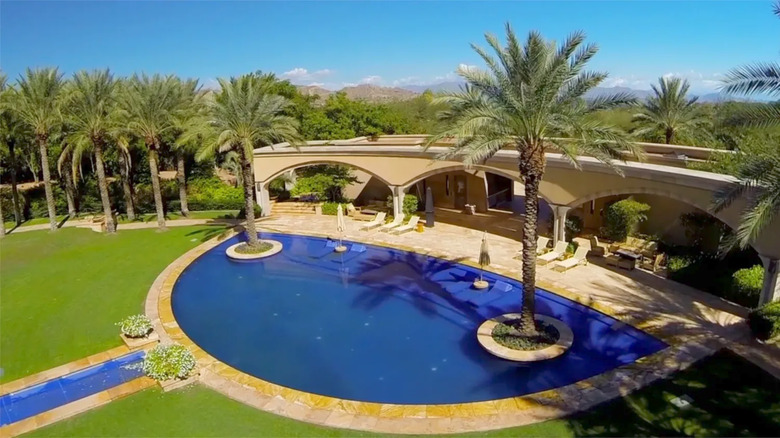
pixel 421 419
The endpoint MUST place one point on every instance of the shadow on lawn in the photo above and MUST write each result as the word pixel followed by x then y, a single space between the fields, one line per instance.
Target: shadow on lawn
pixel 210 231
pixel 730 397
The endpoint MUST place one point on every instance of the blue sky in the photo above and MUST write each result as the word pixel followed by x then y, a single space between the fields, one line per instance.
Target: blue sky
pixel 385 43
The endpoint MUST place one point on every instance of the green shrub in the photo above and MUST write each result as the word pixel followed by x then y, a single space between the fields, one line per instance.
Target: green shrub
pixel 410 204
pixel 171 361
pixel 764 322
pixel 623 218
pixel 331 208
pixel 135 326
pixel 714 275
pixel 8 209
pixel 213 194
pixel 747 282
pixel 242 212
pixel 573 226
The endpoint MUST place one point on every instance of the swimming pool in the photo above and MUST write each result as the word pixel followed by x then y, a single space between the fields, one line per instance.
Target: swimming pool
pixel 379 325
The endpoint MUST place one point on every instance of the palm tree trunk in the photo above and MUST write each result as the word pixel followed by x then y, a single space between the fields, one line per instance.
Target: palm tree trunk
pixel 2 221
pixel 527 323
pixel 249 198
pixel 669 134
pixel 158 201
pixel 103 186
pixel 127 190
pixel 14 189
pixel 181 177
pixel 47 182
pixel 70 190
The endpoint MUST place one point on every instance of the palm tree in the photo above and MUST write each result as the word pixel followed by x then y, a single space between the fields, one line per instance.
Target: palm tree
pixel 759 175
pixel 92 116
pixel 150 105
pixel 530 97
pixel 65 168
pixel 38 107
pixel 189 124
pixel 11 133
pixel 245 114
pixel 126 172
pixel 670 112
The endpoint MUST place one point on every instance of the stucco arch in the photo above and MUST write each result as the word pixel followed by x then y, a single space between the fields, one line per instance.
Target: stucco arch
pixel 315 162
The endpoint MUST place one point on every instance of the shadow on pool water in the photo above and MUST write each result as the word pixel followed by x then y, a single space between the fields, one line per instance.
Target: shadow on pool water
pixel 379 325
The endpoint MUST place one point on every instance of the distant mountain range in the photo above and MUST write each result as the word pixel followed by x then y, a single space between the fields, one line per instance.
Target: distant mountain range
pixel 375 93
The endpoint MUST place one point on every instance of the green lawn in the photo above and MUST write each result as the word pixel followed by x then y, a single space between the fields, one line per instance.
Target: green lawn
pixel 149 217
pixel 62 292
pixel 34 221
pixel 731 397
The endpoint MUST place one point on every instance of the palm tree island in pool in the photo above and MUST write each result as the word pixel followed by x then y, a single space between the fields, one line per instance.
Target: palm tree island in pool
pixel 530 96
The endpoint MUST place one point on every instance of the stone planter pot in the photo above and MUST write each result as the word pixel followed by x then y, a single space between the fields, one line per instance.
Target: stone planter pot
pixel 485 338
pixel 173 384
pixel 140 343
pixel 276 247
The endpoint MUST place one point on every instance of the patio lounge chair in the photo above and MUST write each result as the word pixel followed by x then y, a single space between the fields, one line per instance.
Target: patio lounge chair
pixel 397 221
pixel 497 291
pixel 408 227
pixel 555 254
pixel 541 247
pixel 578 259
pixel 355 213
pixel 379 219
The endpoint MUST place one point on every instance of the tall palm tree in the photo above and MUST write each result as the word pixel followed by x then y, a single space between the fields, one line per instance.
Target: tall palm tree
pixel 671 113
pixel 189 122
pixel 150 104
pixel 245 114
pixel 529 98
pixel 11 133
pixel 65 168
pixel 92 116
pixel 38 106
pixel 759 175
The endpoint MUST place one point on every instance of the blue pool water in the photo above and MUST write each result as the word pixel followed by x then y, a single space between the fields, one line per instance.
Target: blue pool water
pixel 34 400
pixel 379 325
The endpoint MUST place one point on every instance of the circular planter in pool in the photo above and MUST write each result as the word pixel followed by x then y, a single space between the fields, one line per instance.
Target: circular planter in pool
pixel 276 247
pixel 379 325
pixel 485 338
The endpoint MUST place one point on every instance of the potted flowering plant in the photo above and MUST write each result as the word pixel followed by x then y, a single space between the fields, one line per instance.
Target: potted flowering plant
pixel 137 331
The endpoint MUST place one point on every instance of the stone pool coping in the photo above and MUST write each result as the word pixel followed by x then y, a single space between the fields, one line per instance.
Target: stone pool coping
pixel 485 338
pixel 683 351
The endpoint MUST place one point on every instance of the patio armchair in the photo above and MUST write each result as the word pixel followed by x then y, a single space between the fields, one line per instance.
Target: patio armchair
pixel 653 264
pixel 597 248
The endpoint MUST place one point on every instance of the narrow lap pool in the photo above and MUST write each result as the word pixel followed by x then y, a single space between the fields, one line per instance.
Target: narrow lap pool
pixel 379 325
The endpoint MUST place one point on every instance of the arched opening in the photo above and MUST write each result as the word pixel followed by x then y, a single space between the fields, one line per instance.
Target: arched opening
pixel 480 198
pixel 681 235
pixel 304 186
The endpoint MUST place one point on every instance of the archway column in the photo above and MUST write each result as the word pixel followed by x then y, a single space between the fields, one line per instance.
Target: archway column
pixel 263 198
pixel 770 290
pixel 398 199
pixel 559 222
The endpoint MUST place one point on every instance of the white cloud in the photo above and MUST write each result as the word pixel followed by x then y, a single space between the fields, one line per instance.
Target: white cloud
pixel 466 67
pixel 316 84
pixel 406 81
pixel 373 79
pixel 300 74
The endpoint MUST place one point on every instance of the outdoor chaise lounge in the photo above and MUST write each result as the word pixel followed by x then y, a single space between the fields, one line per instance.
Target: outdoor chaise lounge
pixel 497 291
pixel 541 247
pixel 578 259
pixel 408 227
pixel 379 219
pixel 357 214
pixel 555 254
pixel 397 221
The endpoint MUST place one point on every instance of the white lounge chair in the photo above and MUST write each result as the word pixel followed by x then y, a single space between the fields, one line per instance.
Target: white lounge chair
pixel 378 220
pixel 397 221
pixel 541 247
pixel 579 258
pixel 408 227
pixel 555 254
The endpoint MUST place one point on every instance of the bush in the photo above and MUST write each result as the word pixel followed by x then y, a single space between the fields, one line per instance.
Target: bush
pixel 213 194
pixel 8 209
pixel 573 226
pixel 623 219
pixel 331 208
pixel 764 322
pixel 242 212
pixel 171 361
pixel 135 326
pixel 747 282
pixel 410 204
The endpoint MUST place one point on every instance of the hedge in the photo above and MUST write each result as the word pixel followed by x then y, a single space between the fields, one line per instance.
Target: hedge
pixel 713 275
pixel 748 281
pixel 764 322
pixel 622 219
pixel 331 208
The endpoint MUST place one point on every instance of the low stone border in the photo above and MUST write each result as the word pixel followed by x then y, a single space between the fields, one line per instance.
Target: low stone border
pixel 137 343
pixel 231 252
pixel 485 338
pixel 427 419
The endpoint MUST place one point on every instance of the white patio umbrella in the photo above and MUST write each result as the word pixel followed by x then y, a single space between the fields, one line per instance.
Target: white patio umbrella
pixel 341 226
pixel 484 260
